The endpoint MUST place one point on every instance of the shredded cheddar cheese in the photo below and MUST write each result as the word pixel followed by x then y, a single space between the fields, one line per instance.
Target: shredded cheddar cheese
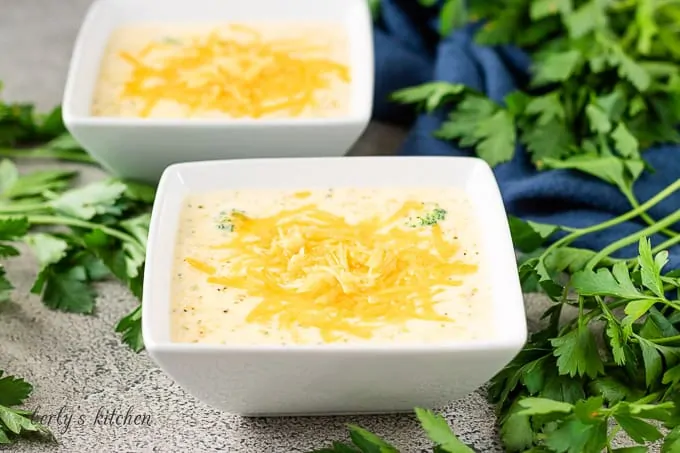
pixel 313 269
pixel 240 75
pixel 201 266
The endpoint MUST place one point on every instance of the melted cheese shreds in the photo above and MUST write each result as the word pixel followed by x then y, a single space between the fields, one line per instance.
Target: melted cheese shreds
pixel 311 268
pixel 200 265
pixel 241 76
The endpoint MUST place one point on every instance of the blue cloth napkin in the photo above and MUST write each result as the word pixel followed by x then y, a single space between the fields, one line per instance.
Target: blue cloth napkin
pixel 409 51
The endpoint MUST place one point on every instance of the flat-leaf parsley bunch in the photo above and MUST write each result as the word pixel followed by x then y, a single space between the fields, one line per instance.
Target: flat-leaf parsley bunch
pixel 605 85
pixel 79 235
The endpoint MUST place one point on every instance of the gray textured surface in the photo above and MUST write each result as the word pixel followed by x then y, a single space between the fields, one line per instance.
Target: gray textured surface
pixel 77 363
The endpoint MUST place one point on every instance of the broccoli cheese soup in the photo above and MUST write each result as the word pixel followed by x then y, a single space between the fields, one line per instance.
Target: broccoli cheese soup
pixel 329 266
pixel 259 70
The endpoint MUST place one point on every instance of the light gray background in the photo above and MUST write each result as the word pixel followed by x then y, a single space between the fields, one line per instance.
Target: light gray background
pixel 77 362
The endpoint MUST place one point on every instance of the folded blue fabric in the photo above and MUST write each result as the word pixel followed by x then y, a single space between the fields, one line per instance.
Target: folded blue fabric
pixel 409 51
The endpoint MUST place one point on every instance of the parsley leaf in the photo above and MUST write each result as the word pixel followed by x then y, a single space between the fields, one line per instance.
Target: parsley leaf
pixel 671 443
pixel 481 123
pixel 571 259
pixel 615 335
pixel 516 430
pixel 575 436
pixel 49 249
pixel 440 433
pixel 66 290
pixel 13 390
pixel 652 361
pixel 639 430
pixel 557 67
pixel 608 168
pixel 577 354
pixel 651 266
pixel 626 143
pixel 543 406
pixel 528 236
pixel 91 200
pixel 369 442
pixel 552 140
pixel 14 422
pixel 544 8
pixel 604 282
pixel 428 96
pixel 131 329
pixel 38 183
pixel 5 286
pixel 452 15
pixel 11 229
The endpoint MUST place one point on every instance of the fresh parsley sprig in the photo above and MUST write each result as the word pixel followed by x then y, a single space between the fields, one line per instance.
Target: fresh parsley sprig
pixel 80 235
pixel 604 87
pixel 634 361
pixel 86 234
pixel 638 319
pixel 15 423
pixel 26 133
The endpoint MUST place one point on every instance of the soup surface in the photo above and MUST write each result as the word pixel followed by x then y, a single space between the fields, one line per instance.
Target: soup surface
pixel 338 265
pixel 258 70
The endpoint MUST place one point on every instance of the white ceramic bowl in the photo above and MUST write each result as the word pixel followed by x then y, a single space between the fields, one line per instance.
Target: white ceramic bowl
pixel 142 148
pixel 333 379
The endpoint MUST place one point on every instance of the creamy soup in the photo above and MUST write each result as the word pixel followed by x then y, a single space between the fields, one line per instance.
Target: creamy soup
pixel 259 70
pixel 329 266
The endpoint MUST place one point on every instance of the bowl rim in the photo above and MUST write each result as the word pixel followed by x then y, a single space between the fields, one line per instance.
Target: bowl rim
pixel 96 12
pixel 513 339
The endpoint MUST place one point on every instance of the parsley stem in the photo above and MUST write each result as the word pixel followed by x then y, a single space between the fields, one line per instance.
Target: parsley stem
pixel 43 153
pixel 20 209
pixel 632 238
pixel 666 244
pixel 664 340
pixel 66 221
pixel 644 216
pixel 594 313
pixel 616 220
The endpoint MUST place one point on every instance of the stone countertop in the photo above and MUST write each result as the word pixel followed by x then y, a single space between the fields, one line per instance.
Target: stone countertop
pixel 77 363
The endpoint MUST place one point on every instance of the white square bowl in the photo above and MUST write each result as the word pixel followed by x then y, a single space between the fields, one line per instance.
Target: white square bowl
pixel 333 379
pixel 140 149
